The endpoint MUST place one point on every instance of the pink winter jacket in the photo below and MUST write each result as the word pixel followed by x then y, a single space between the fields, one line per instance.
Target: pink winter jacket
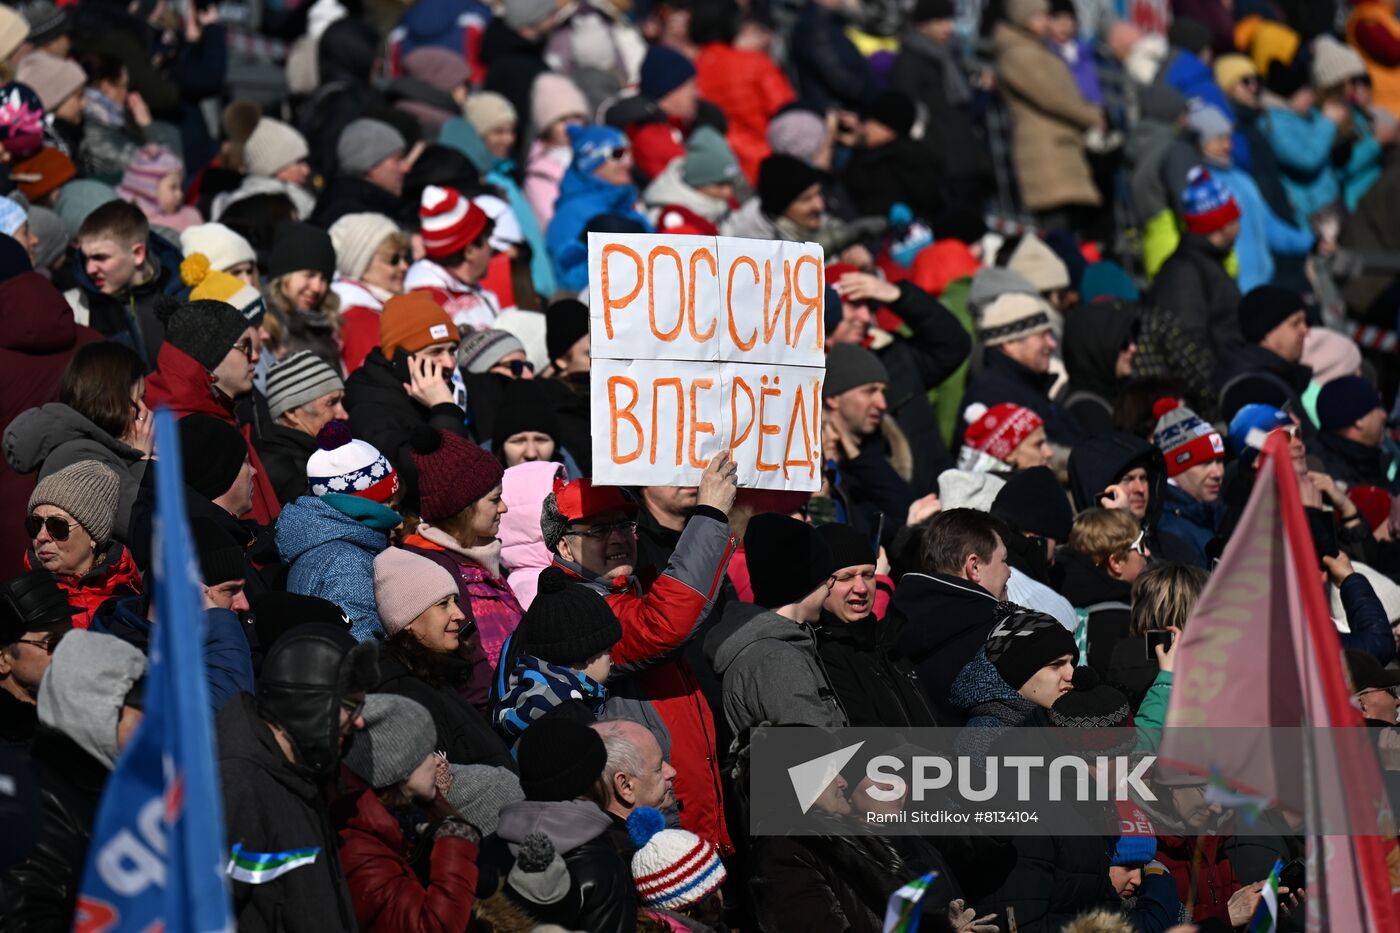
pixel 523 554
pixel 544 170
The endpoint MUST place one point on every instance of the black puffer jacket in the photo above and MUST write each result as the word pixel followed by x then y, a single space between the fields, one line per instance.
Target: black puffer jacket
pixel 904 171
pixel 383 414
pixel 1250 373
pixel 1002 379
pixel 464 735
pixel 1353 463
pixel 284 453
pixel 876 684
pixel 940 622
pixel 834 882
pixel 272 805
pixel 1194 291
pixel 40 892
pixel 1054 880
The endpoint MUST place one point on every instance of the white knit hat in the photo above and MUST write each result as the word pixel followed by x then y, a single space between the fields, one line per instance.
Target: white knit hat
pixel 272 146
pixel 506 231
pixel 224 248
pixel 355 238
pixel 342 464
pixel 1334 62
pixel 1011 317
pixel 487 110
pixel 1039 264
pixel 673 868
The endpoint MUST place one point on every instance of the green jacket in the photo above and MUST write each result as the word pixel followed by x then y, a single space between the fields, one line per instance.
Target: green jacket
pixel 1152 714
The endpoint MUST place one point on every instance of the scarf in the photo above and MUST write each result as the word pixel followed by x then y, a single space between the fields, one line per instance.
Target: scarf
pixel 101 108
pixel 487 556
pixel 955 87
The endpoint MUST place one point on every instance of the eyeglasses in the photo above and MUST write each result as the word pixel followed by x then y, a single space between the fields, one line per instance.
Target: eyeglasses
pixel 1138 545
pixel 57 528
pixel 516 367
pixel 48 644
pixel 1250 80
pixel 617 153
pixel 599 532
pixel 246 348
pixel 353 709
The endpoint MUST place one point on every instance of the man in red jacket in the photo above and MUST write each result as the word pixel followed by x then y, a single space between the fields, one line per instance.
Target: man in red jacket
pixel 593 534
pixel 207 361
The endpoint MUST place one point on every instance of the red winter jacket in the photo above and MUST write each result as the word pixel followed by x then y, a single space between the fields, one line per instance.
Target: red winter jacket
pixel 750 89
pixel 656 621
pixel 388 896
pixel 182 384
pixel 116 576
pixel 1215 876
pixel 35 348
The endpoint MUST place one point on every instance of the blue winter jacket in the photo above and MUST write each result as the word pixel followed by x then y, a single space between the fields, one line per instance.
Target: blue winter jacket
pixel 331 555
pixel 228 661
pixel 1303 147
pixel 1363 165
pixel 462 136
pixel 535 688
pixel 581 198
pixel 1195 80
pixel 1263 234
pixel 1194 523
pixel 1365 616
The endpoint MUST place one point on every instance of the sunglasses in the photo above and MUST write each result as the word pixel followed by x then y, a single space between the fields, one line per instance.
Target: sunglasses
pixel 599 532
pixel 57 528
pixel 48 644
pixel 396 259
pixel 516 367
pixel 617 153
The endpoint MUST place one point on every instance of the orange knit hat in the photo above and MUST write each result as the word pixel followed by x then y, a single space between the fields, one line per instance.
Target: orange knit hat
pixel 414 321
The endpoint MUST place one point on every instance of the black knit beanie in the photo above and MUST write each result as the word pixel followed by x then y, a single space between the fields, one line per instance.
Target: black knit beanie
pixel 895 110
pixel 1265 307
pixel 559 758
pixel 204 330
pixel 849 547
pixel 781 178
pixel 213 452
pixel 1023 641
pixel 565 324
pixel 299 247
pixel 523 407
pixel 1033 501
pixel 569 622
pixel 786 558
pixel 220 557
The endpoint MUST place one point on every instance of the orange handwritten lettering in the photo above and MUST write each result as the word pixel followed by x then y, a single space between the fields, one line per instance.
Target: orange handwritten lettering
pixel 744 345
pixel 735 438
pixel 609 303
pixel 765 429
pixel 811 304
pixel 673 333
pixel 696 425
pixel 614 414
pixel 798 419
pixel 783 308
pixel 670 382
pixel 698 256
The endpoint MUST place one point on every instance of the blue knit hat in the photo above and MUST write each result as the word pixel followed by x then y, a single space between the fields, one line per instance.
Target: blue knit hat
pixel 1251 425
pixel 663 70
pixel 1133 851
pixel 1343 401
pixel 592 145
pixel 1206 204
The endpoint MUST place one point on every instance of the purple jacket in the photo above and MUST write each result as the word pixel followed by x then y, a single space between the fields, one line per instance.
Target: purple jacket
pixel 1078 57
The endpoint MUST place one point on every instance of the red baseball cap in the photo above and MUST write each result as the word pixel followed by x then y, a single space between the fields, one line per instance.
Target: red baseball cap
pixel 581 500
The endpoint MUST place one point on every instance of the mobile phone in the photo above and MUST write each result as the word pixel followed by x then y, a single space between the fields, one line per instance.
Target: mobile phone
pixel 879 532
pixel 1151 640
pixel 1324 534
pixel 1294 875
pixel 402 364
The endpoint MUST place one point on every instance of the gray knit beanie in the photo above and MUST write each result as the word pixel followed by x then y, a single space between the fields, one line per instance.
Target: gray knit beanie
pixel 205 330
pixel 539 875
pixel 520 14
pixel 300 378
pixel 364 143
pixel 482 349
pixel 478 793
pixel 398 735
pixel 88 491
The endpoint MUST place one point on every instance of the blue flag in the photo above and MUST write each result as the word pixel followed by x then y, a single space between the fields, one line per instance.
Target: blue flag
pixel 157 856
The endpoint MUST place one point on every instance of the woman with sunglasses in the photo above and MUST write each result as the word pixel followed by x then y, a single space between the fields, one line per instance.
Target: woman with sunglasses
pixel 69 525
pixel 100 415
pixel 459 486
pixel 372 255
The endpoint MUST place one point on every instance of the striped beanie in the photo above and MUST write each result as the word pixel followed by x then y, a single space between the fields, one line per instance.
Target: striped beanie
pixel 449 221
pixel 300 378
pixel 673 869
pixel 1183 438
pixel 1206 204
pixel 348 466
pixel 1012 316
pixel 143 174
pixel 993 434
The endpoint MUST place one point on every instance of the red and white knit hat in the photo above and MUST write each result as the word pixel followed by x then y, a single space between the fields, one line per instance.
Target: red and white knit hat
pixel 1183 437
pixel 673 868
pixel 450 222
pixel 350 467
pixel 993 434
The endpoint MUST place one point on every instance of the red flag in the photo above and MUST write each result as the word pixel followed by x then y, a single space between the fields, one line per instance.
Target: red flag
pixel 1261 650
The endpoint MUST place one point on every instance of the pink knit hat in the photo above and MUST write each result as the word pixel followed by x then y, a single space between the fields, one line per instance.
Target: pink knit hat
pixel 406 585
pixel 142 179
pixel 554 97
